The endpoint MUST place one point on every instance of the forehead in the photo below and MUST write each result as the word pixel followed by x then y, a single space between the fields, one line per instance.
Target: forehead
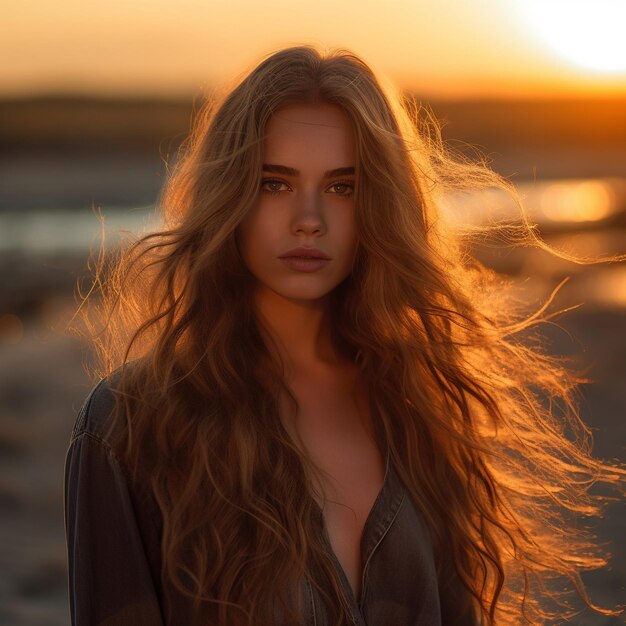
pixel 310 130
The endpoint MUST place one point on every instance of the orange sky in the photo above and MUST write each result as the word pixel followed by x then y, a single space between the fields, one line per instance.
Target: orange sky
pixel 442 48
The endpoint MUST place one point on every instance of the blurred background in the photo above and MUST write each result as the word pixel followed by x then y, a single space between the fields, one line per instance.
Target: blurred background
pixel 95 97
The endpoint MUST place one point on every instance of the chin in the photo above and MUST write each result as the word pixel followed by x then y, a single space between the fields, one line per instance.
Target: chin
pixel 303 294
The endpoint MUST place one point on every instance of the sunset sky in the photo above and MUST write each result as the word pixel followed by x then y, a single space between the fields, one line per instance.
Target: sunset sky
pixel 445 48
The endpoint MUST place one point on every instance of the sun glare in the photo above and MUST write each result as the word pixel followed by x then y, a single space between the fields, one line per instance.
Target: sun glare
pixel 585 201
pixel 589 33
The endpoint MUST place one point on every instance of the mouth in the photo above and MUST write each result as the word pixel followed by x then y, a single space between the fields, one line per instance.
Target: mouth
pixel 310 261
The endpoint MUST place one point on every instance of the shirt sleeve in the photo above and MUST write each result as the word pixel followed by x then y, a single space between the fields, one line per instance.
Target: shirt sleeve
pixel 110 580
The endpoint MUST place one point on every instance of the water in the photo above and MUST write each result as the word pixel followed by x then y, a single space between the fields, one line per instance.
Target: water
pixel 562 203
pixel 61 231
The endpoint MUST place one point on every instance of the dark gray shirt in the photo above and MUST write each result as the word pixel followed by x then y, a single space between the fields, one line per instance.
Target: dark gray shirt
pixel 114 532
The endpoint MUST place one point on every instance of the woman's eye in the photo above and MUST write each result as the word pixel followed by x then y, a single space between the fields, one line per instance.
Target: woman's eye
pixel 272 186
pixel 343 189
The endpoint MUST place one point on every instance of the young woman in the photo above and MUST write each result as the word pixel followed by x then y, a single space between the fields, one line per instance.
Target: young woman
pixel 316 409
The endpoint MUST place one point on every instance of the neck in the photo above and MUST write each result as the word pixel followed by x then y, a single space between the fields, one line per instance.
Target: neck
pixel 299 331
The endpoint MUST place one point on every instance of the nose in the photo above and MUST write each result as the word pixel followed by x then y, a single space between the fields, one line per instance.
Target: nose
pixel 308 216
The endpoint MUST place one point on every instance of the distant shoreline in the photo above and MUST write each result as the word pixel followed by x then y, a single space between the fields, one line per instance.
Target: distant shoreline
pixel 63 122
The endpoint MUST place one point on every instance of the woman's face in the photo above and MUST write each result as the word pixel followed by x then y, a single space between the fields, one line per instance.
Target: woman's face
pixel 305 204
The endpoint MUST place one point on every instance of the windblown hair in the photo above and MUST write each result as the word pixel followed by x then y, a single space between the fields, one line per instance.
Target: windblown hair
pixel 480 422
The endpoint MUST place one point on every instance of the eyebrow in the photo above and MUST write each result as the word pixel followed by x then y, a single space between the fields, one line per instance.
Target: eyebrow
pixel 292 171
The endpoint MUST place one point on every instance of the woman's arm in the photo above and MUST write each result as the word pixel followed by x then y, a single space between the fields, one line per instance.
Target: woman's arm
pixel 110 579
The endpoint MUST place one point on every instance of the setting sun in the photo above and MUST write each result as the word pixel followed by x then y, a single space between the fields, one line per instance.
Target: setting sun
pixel 589 33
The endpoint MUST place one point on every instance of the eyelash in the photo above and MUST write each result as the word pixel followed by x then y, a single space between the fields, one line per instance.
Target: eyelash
pixel 345 183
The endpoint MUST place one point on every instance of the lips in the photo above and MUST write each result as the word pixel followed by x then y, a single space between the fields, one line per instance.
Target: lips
pixel 305 253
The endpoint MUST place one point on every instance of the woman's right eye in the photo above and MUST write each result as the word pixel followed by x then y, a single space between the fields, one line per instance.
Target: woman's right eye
pixel 271 185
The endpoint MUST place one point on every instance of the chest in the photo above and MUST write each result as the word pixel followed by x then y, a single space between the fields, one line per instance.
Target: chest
pixel 334 428
pixel 350 491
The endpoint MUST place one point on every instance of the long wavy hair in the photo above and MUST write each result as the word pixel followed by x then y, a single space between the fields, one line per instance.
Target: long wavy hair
pixel 479 421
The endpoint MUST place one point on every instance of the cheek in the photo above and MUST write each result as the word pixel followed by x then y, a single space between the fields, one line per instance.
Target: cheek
pixel 255 237
pixel 246 240
pixel 346 232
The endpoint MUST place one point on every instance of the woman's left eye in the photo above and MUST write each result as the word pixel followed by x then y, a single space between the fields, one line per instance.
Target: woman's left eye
pixel 343 188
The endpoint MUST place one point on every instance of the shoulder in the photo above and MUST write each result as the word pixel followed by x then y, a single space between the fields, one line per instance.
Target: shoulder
pixel 95 415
